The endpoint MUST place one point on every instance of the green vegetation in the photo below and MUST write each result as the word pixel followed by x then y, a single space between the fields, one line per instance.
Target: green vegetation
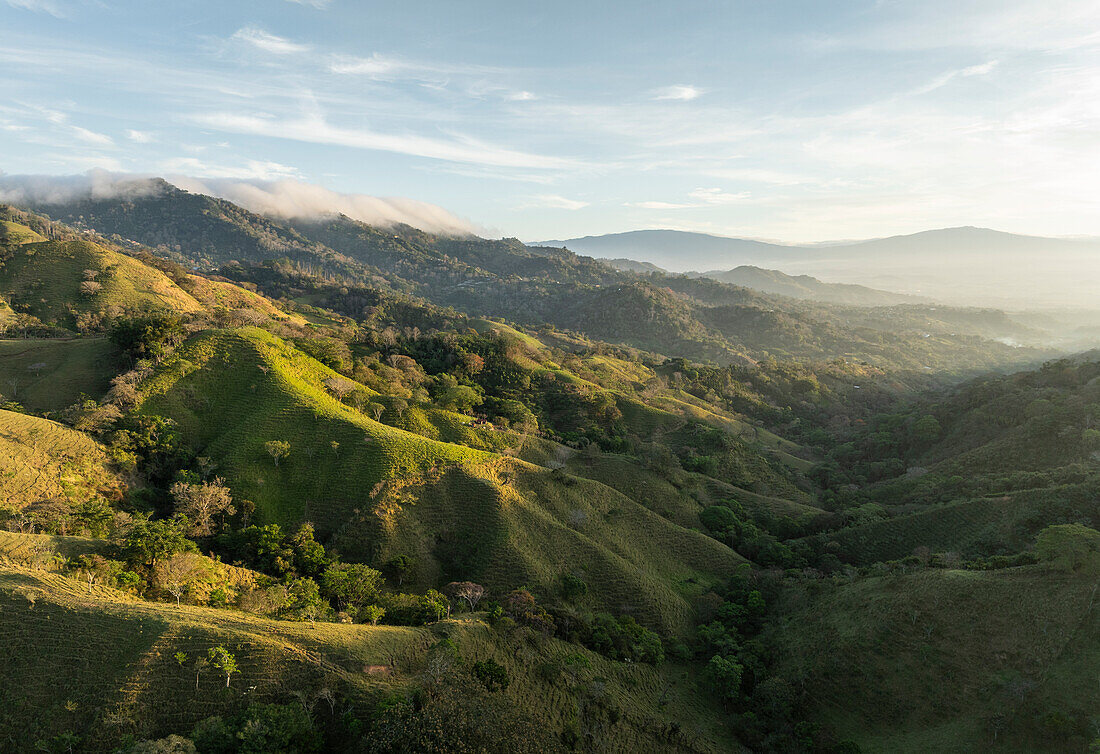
pixel 361 491
pixel 51 375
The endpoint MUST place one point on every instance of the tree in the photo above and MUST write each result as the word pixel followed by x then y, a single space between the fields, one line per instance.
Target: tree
pixel 173 744
pixel 303 600
pixel 491 674
pixel 340 387
pixel 397 568
pixel 178 572
pixel 152 336
pixel 467 591
pixel 149 541
pixel 90 287
pixel 1069 547
pixel 223 660
pixel 372 614
pixel 351 584
pixel 725 675
pixel 277 449
pixel 927 429
pixel 202 504
pixel 376 410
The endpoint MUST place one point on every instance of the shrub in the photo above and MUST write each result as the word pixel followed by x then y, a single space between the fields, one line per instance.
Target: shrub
pixel 492 674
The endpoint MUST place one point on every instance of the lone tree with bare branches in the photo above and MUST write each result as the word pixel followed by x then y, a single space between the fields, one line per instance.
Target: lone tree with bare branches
pixel 341 387
pixel 467 591
pixel 175 574
pixel 203 504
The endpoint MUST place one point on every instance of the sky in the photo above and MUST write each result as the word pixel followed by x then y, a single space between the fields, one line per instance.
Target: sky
pixel 796 121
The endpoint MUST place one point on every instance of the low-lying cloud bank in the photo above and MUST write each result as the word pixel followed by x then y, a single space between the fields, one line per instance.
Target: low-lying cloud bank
pixel 283 198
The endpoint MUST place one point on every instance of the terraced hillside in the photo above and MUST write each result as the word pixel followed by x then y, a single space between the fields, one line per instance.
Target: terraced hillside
pixel 465 512
pixel 116 658
pixel 52 374
pixel 76 283
pixel 950 660
pixel 41 461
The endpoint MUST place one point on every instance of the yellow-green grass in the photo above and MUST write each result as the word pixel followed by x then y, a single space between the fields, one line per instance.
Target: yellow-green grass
pixel 42 460
pixel 35 550
pixel 949 661
pixel 216 294
pixel 14 233
pixel 52 374
pixel 507 523
pixel 46 278
pixel 102 665
pixel 233 391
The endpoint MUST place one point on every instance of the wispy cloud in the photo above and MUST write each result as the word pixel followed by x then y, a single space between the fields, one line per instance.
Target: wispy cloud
pixel 39 6
pixel 943 80
pixel 318 4
pixel 700 197
pixel 315 129
pixel 269 42
pixel 552 201
pixel 680 92
pixel 258 170
pixel 140 137
pixel 659 205
pixel 715 196
pixel 91 137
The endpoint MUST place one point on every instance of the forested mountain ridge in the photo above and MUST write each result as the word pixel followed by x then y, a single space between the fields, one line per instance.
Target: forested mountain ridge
pixel 604 546
pixel 531 285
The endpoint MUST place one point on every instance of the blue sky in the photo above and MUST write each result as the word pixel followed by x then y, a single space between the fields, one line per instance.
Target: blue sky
pixel 788 120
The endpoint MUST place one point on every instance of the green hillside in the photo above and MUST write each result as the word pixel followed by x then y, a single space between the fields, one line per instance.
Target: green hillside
pixel 45 462
pixel 79 283
pixel 462 512
pixel 116 659
pixel 949 661
pixel 50 375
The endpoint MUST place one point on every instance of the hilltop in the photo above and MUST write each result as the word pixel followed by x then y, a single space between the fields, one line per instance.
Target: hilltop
pixel 612 543
pixel 529 285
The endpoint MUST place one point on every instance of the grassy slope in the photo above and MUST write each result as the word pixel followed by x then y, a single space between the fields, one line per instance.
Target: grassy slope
pixel 463 511
pixel 234 390
pixel 14 233
pixel 949 661
pixel 46 277
pixel 40 460
pixel 507 523
pixel 101 663
pixel 983 526
pixel 71 368
pixel 216 294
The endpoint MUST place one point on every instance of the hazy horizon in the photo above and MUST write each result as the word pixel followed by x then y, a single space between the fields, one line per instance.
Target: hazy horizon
pixel 791 121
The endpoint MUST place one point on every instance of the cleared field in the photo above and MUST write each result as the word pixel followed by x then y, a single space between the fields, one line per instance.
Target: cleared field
pixel 43 460
pixel 984 526
pixel 51 374
pixel 949 661
pixel 100 664
pixel 58 281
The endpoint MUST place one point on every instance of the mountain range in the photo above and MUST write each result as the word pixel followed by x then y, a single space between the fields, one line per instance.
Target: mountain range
pixel 961 266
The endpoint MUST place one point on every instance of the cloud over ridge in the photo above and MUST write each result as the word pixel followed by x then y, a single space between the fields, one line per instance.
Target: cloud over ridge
pixel 285 198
